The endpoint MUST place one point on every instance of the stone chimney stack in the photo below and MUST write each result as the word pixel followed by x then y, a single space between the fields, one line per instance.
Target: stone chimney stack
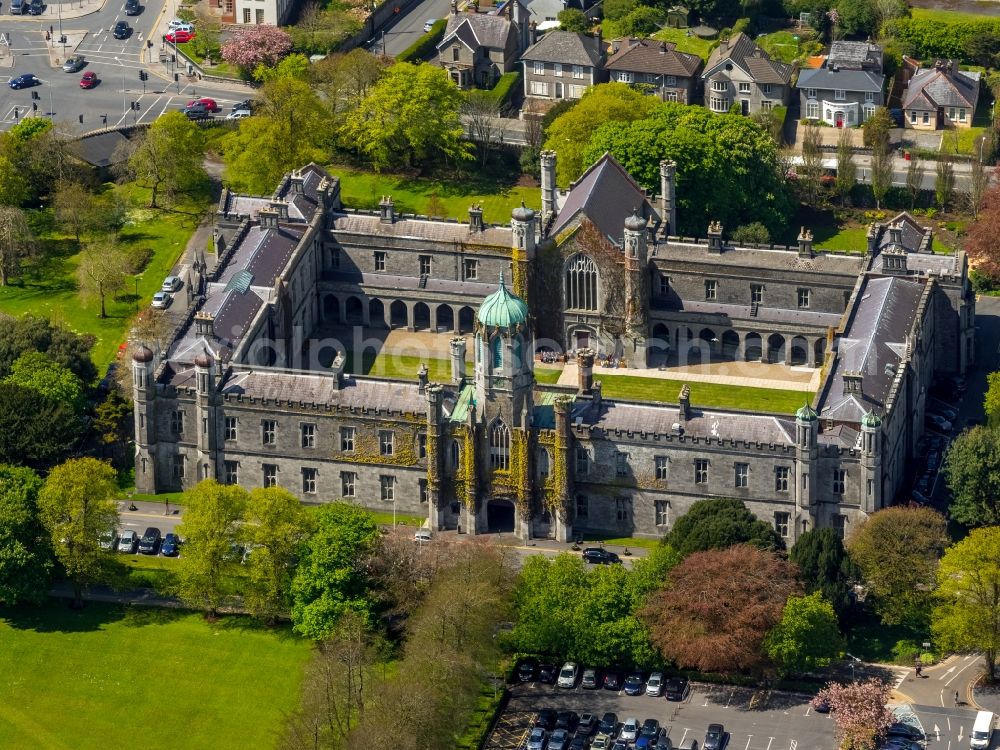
pixel 684 403
pixel 595 393
pixel 475 218
pixel 668 197
pixel 268 218
pixel 422 378
pixel 204 323
pixel 896 234
pixel 454 7
pixel 337 369
pixel 548 159
pixel 715 237
pixel 386 210
pixel 281 207
pixel 585 369
pixel 457 359
pixel 852 383
pixel 297 180
pixel 805 243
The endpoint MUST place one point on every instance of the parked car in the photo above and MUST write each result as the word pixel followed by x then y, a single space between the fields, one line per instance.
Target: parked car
pixel 620 744
pixel 654 685
pixel 601 742
pixel 600 556
pixel 73 63
pixel 630 730
pixel 820 705
pixel 608 724
pixel 715 737
pixel 567 720
pixel 180 37
pixel 580 742
pixel 108 539
pixel 122 30
pixel 677 688
pixel 589 680
pixel 633 684
pixel 567 675
pixel 536 740
pixel 88 80
pixel 128 541
pixel 132 8
pixel 920 497
pixel 36 8
pixel 938 422
pixel 663 742
pixel 171 284
pixel 613 681
pixel 239 114
pixel 171 546
pixel 649 732
pixel 246 104
pixel 904 730
pixel 948 412
pixel 162 300
pixel 422 536
pixel 150 541
pixel 900 743
pixel 429 24
pixel 558 740
pixel 588 724
pixel 546 719
pixel 526 670
pixel 24 81
pixel 547 674
pixel 176 24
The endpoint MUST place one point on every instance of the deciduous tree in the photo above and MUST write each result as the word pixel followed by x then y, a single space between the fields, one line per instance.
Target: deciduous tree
pixel 25 552
pixel 877 128
pixel 34 430
pixel 897 550
pixel 168 156
pixel 212 514
pixel 31 333
pixel 825 567
pixel 251 46
pixel 717 523
pixel 981 241
pixel 482 114
pixel 972 471
pixel 37 372
pixel 914 179
pixel 718 607
pixel 979 182
pixel 71 203
pixel 811 170
pixel 859 710
pixel 881 170
pixel 103 268
pixel 77 507
pixel 847 170
pixel 967 617
pixel 573 19
pixel 16 242
pixel 944 180
pixel 807 636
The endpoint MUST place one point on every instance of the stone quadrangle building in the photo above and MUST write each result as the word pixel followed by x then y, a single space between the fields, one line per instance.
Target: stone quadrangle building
pixel 253 388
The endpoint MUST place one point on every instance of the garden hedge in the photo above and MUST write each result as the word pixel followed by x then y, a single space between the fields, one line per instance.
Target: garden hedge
pixel 421 49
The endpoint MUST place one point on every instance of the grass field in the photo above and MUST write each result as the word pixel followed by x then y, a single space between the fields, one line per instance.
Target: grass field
pixel 965 143
pixel 622 541
pixel 404 366
pixel 48 287
pixel 547 374
pixel 782 45
pixel 948 16
pixel 709 395
pixel 360 189
pixel 402 519
pixel 692 44
pixel 112 677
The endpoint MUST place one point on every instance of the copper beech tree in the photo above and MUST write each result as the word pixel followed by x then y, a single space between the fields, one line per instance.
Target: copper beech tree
pixel 718 606
pixel 981 240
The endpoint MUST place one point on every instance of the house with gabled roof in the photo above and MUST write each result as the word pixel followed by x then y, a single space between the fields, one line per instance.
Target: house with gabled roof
pixel 941 97
pixel 479 47
pixel 562 65
pixel 740 72
pixel 846 89
pixel 656 66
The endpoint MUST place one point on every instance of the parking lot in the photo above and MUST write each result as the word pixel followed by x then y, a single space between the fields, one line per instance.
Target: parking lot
pixel 777 721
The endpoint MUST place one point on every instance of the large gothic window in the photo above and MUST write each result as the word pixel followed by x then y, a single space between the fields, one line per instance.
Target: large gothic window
pixel 499 446
pixel 581 283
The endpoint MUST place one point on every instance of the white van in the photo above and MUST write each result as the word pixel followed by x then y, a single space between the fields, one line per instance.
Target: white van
pixel 979 739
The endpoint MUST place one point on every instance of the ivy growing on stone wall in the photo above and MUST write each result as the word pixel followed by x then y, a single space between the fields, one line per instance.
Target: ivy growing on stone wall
pixel 366 446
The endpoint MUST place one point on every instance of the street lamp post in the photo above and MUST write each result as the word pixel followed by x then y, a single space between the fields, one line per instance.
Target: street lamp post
pixel 124 97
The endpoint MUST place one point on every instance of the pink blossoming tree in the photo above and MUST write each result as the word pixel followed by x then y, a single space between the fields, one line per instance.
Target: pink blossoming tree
pixel 256 45
pixel 859 710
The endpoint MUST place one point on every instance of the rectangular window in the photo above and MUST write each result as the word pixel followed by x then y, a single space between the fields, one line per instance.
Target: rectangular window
pixel 812 110
pixel 670 81
pixel 720 85
pixel 664 285
pixel 456 54
pixel 231 428
pixel 839 481
pixel 961 115
pixel 869 112
pixel 421 446
pixel 576 91
pixel 662 512
pixel 268 432
pixel 869 96
pixel 913 116
pixel 270 475
pixel 621 464
pixel 335 257
pixel 781 524
pixel 578 71
pixel 538 68
pixel 670 96
pixel 742 475
pixel 177 422
pixel 839 95
pixel 309 481
pixel 623 76
pixel 308 436
pixel 701 471
pixel 781 479
pixel 744 87
pixel 582 507
pixel 582 461
pixel 539 88
pixel 810 93
pixel 557 70
pixel 425 265
pixel 386 442
pixel 765 89
pixel 871 487
pixel 840 525
pixel 379 260
pixel 803 299
pixel 661 463
pixel 471 269
pixel 178 466
pixel 766 105
pixel 719 104
pixel 347 439
pixel 927 118
pixel 387 486
pixel 711 287
pixel 231 473
pixel 347 482
pixel 756 294
pixel 422 484
pixel 246 15
pixel 622 508
pixel 952 112
pixel 259 13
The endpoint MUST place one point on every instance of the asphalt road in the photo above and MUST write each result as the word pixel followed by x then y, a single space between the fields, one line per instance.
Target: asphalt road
pixel 408 28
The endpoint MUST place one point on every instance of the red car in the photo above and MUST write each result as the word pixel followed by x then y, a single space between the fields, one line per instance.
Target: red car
pixel 89 80
pixel 180 37
pixel 209 104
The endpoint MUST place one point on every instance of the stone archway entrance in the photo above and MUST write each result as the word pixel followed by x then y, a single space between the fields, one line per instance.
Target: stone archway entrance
pixel 500 516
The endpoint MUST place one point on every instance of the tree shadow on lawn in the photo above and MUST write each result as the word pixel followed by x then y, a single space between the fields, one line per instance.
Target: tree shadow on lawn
pixel 57 616
pixel 246 624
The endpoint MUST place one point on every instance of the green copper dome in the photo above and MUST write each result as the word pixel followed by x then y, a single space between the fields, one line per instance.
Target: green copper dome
pixel 502 309
pixel 871 419
pixel 806 413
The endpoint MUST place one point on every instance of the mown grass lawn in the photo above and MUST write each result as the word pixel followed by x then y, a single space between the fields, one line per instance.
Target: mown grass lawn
pixel 434 197
pixel 113 676
pixel 622 541
pixel 781 45
pixel 948 16
pixel 547 374
pixel 711 395
pixel 687 43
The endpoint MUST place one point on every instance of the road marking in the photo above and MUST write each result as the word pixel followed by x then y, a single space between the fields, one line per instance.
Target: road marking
pixel 808 709
pixel 959 672
pixel 948 718
pixel 730 698
pixel 946 673
pixel 769 743
pixel 686 730
pixel 748 742
pixel 793 746
pixel 960 730
pixel 937 731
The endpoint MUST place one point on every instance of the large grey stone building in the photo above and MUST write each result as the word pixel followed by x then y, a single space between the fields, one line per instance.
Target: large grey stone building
pixel 252 388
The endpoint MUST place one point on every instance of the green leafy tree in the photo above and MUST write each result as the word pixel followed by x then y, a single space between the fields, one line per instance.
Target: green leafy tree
pixel 31 333
pixel 573 19
pixel 825 567
pixel 718 523
pixel 35 430
pixel 25 552
pixel 914 179
pixel 276 526
pixel 991 401
pixel 967 617
pixel 103 268
pixel 168 157
pixel 856 17
pixel 807 636
pixel 294 66
pixel 944 180
pixel 641 21
pixel 16 242
pixel 650 572
pixel 36 371
pixel 881 173
pixel 113 419
pixel 972 471
pixel 809 174
pixel 72 206
pixel 411 115
pixel 77 507
pixel 332 577
pixel 212 514
pixel 876 128
pixel 545 598
pixel 569 133
pixel 847 170
pixel 754 233
pixel 897 551
pixel 13 185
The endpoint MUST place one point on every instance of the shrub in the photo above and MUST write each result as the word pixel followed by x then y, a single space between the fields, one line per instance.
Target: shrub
pixel 422 48
pixel 905 651
pixel 505 86
pixel 138 258
pixel 754 233
pixel 937 38
pixel 981 282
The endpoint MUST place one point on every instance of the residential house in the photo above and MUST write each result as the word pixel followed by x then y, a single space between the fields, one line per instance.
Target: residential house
pixel 740 71
pixel 545 13
pixel 561 65
pixel 255 12
pixel 673 76
pixel 479 47
pixel 848 86
pixel 941 97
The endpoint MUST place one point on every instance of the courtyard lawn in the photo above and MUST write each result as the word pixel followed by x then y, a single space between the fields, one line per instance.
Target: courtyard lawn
pixel 109 676
pixel 622 541
pixel 434 197
pixel 48 287
pixel 711 395
pixel 403 366
pixel 687 43
pixel 547 374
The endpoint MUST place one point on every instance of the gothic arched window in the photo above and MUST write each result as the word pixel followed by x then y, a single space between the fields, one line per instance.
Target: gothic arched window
pixel 497 346
pixel 499 446
pixel 455 451
pixel 581 283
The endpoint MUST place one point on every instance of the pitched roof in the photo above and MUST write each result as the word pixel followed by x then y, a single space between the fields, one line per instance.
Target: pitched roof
pixel 741 51
pixel 941 86
pixel 478 30
pixel 846 80
pixel 651 56
pixel 607 195
pixel 855 55
pixel 566 47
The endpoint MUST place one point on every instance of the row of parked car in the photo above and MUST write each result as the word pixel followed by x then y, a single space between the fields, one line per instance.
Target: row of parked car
pixel 151 542
pixel 631 683
pixel 565 730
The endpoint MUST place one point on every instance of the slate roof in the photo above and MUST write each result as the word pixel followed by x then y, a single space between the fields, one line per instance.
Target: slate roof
pixel 566 47
pixel 911 238
pixel 478 30
pixel 847 80
pixel 874 345
pixel 426 229
pixel 301 206
pixel 855 55
pixel 233 312
pixel 651 56
pixel 942 87
pixel 263 252
pixel 741 51
pixel 373 281
pixel 759 257
pixel 607 195
pixel 100 149
pixel 764 314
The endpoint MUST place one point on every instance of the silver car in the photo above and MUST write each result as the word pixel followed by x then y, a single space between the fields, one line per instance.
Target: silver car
pixel 73 63
pixel 654 685
pixel 161 300
pixel 128 541
pixel 630 730
pixel 171 284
